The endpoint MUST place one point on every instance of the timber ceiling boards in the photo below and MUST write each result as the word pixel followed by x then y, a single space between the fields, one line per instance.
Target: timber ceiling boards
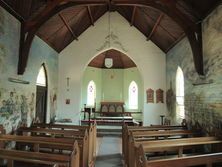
pixel 120 60
pixel 165 35
pixel 164 22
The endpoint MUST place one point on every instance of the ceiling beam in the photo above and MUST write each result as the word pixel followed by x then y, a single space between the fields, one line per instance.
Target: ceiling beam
pixel 168 7
pixel 67 26
pixel 11 10
pixel 192 30
pixel 133 16
pixel 155 26
pixel 30 27
pixel 175 42
pixel 169 34
pixel 194 11
pixel 90 15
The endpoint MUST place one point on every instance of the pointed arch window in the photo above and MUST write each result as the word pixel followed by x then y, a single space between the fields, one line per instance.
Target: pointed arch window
pixel 180 94
pixel 41 78
pixel 133 95
pixel 91 93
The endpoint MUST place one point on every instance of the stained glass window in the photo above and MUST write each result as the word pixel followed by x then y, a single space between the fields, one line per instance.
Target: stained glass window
pixel 91 93
pixel 133 95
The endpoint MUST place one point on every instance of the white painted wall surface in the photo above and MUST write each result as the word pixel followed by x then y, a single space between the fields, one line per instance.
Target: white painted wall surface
pixel 74 59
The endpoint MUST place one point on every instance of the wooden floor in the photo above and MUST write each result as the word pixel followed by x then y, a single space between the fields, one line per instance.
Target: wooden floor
pixel 109 152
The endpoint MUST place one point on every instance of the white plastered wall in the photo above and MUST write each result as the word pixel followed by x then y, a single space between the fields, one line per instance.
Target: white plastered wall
pixel 150 60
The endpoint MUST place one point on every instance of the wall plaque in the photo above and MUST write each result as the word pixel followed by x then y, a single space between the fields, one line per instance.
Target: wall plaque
pixel 159 96
pixel 150 96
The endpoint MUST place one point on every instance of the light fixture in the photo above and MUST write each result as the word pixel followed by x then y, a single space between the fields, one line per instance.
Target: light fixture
pixel 109 61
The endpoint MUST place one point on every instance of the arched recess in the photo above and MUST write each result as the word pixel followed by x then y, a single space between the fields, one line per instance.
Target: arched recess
pixel 41 95
pixel 192 30
pixel 121 95
pixel 180 113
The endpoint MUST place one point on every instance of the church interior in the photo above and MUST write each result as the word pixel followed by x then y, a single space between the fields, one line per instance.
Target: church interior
pixel 110 83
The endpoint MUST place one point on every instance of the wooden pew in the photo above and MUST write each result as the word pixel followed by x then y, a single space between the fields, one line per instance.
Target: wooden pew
pixel 40 142
pixel 136 137
pixel 56 160
pixel 206 159
pixel 126 131
pixel 92 131
pixel 71 159
pixel 176 145
pixel 80 136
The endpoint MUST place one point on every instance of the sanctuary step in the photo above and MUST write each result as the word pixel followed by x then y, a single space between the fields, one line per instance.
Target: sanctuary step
pixel 115 131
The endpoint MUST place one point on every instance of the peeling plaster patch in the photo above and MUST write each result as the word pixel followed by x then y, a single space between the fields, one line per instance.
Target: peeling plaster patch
pixel 2 57
pixel 1 22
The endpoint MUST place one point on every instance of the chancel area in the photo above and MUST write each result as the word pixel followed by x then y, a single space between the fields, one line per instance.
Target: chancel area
pixel 112 90
pixel 124 83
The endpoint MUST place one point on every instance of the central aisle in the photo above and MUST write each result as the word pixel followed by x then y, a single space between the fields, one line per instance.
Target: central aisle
pixel 109 152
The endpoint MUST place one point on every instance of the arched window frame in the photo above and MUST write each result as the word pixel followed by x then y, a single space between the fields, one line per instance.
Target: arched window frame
pixel 133 96
pixel 180 113
pixel 42 77
pixel 91 93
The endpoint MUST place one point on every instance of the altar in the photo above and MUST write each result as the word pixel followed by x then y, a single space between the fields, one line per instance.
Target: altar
pixel 111 108
pixel 110 113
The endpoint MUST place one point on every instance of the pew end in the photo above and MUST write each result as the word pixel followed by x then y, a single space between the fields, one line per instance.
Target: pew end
pixel 140 157
pixel 75 155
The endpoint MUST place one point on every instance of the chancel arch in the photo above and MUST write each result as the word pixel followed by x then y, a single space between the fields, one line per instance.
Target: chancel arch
pixel 118 82
pixel 147 57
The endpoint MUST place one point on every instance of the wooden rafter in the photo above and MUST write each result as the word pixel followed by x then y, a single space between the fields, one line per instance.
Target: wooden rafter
pixel 168 7
pixel 169 34
pixel 191 29
pixel 67 26
pixel 155 26
pixel 90 15
pixel 11 10
pixel 133 16
pixel 175 42
pixel 30 27
pixel 194 11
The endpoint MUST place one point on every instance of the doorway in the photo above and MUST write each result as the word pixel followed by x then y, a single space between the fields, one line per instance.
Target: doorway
pixel 41 96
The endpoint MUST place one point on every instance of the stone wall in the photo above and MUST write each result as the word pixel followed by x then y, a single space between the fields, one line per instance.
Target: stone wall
pixel 17 101
pixel 203 94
